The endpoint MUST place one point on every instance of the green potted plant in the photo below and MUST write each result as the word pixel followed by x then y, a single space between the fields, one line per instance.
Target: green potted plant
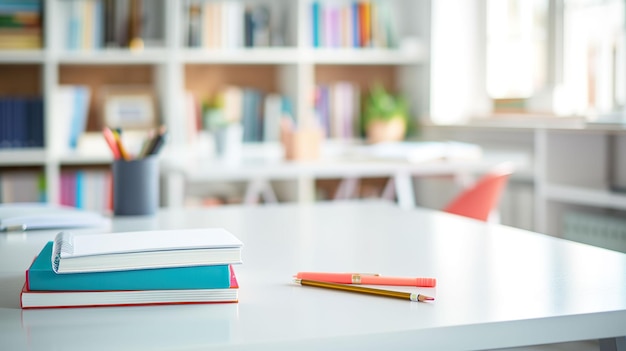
pixel 385 116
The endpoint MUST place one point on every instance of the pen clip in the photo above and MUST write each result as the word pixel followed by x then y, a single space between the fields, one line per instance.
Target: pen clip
pixel 356 277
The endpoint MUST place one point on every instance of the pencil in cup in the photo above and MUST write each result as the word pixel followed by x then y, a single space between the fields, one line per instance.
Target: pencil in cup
pixel 153 145
pixel 110 139
pixel 364 290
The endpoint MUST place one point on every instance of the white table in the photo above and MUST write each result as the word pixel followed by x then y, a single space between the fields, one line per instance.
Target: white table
pixel 497 286
pixel 258 172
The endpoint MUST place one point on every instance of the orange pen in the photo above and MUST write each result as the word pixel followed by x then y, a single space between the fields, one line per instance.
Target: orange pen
pixel 372 279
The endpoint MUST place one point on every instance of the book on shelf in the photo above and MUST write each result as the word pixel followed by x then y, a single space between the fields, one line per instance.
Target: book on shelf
pixel 85 24
pixel 21 121
pixel 29 216
pixel 275 108
pixel 20 24
pixel 41 276
pixel 357 24
pixel 19 186
pixel 258 112
pixel 94 298
pixel 74 253
pixel 337 109
pixel 365 21
pixel 98 24
pixel 251 116
pixel 87 189
pixel 230 24
pixel 71 115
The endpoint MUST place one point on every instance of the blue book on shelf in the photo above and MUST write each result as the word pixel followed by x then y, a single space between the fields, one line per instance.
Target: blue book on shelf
pixel 80 110
pixel 40 276
pixel 78 192
pixel 41 139
pixel 3 123
pixel 74 26
pixel 98 25
pixel 10 123
pixel 32 123
pixel 251 116
pixel 20 117
pixel 356 25
pixel 315 21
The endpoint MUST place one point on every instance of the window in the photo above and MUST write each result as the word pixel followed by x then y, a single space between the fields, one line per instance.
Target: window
pixel 562 57
pixel 516 48
pixel 593 57
pixel 527 57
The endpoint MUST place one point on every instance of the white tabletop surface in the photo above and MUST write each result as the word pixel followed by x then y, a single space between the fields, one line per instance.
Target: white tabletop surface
pixel 179 172
pixel 278 169
pixel 497 286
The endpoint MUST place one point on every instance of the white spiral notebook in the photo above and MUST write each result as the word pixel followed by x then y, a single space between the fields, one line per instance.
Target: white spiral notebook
pixel 102 252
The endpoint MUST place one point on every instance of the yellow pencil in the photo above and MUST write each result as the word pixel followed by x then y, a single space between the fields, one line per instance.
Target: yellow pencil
pixel 120 146
pixel 364 290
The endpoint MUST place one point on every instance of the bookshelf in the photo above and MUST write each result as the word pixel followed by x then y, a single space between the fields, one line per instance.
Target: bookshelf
pixel 85 42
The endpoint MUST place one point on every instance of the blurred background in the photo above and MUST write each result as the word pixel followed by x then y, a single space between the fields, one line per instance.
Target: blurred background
pixel 304 101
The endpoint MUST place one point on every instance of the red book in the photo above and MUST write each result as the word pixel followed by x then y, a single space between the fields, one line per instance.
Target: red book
pixel 61 299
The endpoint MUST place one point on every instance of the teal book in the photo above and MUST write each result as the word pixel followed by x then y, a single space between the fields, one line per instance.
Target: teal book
pixel 41 277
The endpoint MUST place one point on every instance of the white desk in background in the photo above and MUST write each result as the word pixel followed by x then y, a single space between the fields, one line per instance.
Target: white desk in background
pixel 258 172
pixel 497 286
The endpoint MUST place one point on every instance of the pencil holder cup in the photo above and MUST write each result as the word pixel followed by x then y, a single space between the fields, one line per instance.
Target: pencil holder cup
pixel 136 186
pixel 302 145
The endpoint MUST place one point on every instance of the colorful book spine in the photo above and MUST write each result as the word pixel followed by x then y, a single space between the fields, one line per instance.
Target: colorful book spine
pixel 316 28
pixel 364 21
pixel 20 24
pixel 80 184
pixel 41 277
pixel 356 24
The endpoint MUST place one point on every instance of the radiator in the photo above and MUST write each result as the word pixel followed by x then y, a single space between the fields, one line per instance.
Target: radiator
pixel 593 229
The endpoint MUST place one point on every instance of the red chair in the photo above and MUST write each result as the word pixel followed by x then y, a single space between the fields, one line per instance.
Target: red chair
pixel 480 199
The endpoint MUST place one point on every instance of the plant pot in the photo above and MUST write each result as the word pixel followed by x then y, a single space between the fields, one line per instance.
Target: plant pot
pixel 378 131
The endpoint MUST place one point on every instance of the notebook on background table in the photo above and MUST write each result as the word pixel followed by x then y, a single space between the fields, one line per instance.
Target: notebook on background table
pixel 34 216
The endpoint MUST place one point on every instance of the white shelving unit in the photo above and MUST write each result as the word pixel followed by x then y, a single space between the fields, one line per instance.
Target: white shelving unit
pixel 23 157
pixel 113 57
pixel 586 197
pixel 21 56
pixel 575 169
pixel 296 65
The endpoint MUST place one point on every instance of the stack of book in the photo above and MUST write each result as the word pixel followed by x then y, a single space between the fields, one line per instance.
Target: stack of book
pixel 20 24
pixel 355 24
pixel 134 268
